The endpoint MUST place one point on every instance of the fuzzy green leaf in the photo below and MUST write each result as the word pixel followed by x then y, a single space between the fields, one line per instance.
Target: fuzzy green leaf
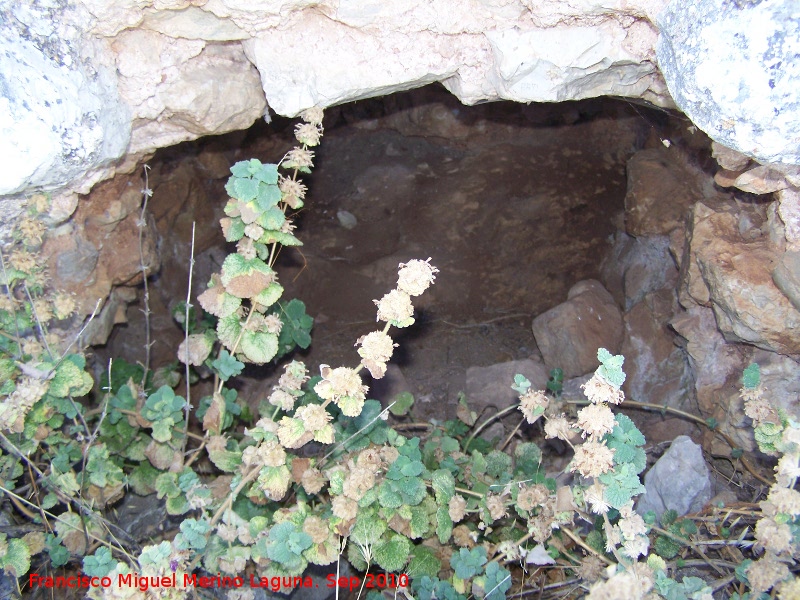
pixel 244 189
pixel 226 366
pixel 275 236
pixel 444 485
pixel 99 564
pixel 521 384
pixel 751 376
pixel 259 347
pixel 444 524
pixel 17 558
pixel 234 230
pixel 424 563
pixel 611 367
pixel 497 582
pixel 402 404
pixel 468 563
pixel 393 554
pixel 368 529
pixel 192 535
pixel 272 218
pixel 388 497
pixel 228 330
pixel 269 295
pixel 242 168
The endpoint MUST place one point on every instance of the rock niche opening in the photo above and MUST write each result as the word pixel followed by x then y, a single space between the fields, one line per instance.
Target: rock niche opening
pixel 515 204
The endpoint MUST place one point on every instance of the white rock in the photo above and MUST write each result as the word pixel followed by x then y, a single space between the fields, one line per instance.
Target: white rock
pixel 60 113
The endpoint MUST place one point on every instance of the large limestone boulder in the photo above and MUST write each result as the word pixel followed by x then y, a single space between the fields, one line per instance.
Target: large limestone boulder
pixel 732 68
pixel 569 334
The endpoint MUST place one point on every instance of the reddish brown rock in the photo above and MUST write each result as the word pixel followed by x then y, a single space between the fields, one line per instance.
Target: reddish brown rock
pixel 661 189
pixel 735 280
pixel 569 334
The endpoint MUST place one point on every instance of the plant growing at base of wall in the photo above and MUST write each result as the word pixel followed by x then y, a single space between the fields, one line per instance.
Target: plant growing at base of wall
pixel 321 474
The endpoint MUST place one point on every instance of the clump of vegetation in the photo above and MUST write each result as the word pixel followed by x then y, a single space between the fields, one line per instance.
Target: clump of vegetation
pixel 320 474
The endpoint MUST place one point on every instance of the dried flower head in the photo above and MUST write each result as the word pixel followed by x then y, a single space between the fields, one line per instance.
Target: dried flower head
pixel 7 302
pixel 254 231
pixel 312 480
pixel 32 347
pixel 773 535
pixel 761 411
pixel 272 324
pixel 317 528
pixel 376 350
pixel 457 507
pixel 765 572
pixel 789 590
pixel 14 409
pixel 292 192
pixel 496 506
pixel 395 307
pixel 294 376
pixel 595 498
pixel 31 231
pixel 592 459
pixel 282 399
pixel 307 134
pixel 339 382
pixel 591 568
pixel 558 427
pixel 313 416
pixel 787 470
pixel 312 115
pixel 784 500
pixel 416 276
pixel 42 309
pixel 24 261
pixel 298 158
pixel 532 404
pixel 598 390
pixel 596 420
pixel 530 497
pixel 63 305
pixel 344 508
pixel 358 482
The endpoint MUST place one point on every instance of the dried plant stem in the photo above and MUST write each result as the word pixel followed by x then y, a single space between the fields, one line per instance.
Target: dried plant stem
pixel 250 476
pixel 577 539
pixel 188 407
pixel 39 324
pixel 11 300
pixel 101 541
pixel 146 194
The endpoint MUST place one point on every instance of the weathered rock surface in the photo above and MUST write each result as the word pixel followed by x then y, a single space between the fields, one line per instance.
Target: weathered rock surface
pixel 490 387
pixel 661 189
pixel 657 368
pixel 636 266
pixel 569 334
pixel 732 68
pixel 733 276
pixel 99 250
pixel 181 89
pixel 716 367
pixel 61 115
pixel 678 481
